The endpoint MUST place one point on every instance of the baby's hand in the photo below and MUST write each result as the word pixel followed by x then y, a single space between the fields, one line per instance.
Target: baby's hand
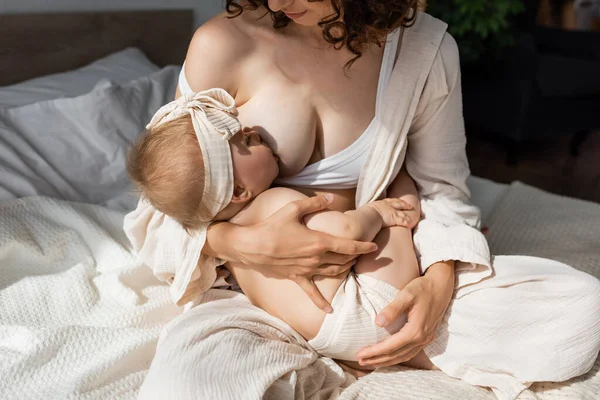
pixel 392 212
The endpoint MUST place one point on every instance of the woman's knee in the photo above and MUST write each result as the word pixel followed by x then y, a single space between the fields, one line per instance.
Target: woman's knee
pixel 582 327
pixel 589 294
pixel 586 328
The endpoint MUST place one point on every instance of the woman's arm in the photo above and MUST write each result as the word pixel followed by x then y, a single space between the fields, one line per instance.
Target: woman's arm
pixel 448 233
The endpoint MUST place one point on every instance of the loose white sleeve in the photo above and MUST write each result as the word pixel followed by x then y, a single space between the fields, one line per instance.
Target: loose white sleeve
pixel 436 160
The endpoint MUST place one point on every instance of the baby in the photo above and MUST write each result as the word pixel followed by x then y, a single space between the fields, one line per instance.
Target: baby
pixel 181 163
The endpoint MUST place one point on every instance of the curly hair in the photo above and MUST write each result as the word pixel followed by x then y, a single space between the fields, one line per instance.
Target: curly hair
pixel 167 166
pixel 364 21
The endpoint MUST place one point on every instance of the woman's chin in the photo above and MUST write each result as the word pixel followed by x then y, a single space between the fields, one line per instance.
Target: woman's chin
pixel 305 24
pixel 306 21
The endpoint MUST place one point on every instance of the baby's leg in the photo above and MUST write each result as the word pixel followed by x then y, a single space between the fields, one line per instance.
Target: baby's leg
pixel 395 261
pixel 281 298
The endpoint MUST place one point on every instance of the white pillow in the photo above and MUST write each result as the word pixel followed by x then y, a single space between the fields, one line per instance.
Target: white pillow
pixel 75 148
pixel 120 67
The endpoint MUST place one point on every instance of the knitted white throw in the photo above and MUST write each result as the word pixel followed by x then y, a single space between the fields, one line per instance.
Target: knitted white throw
pixel 80 319
pixel 79 316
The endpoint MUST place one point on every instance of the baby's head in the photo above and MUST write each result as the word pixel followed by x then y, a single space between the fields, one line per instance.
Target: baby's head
pixel 167 164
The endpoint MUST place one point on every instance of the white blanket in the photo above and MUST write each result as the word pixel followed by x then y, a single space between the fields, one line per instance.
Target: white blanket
pixel 218 325
pixel 80 318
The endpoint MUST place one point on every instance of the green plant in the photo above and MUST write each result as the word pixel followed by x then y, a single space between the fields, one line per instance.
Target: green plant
pixel 482 28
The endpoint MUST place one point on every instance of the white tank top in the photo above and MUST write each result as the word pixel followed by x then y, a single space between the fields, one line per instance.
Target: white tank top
pixel 341 170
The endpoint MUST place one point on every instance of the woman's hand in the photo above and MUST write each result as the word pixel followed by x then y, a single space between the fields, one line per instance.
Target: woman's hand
pixel 287 249
pixel 424 300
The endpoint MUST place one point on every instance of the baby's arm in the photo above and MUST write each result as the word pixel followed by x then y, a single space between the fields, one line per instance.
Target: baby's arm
pixel 405 189
pixel 363 223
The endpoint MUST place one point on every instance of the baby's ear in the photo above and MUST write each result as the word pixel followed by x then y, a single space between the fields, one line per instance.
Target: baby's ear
pixel 241 195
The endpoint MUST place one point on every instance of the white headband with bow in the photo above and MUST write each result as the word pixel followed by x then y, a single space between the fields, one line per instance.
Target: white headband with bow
pixel 213 115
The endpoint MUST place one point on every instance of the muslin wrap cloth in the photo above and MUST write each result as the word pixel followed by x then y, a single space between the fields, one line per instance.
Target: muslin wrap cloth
pixel 213 115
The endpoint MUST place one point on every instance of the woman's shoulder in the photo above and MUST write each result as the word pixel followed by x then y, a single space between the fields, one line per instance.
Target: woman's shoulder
pixel 448 53
pixel 221 38
pixel 224 34
pixel 445 70
pixel 218 48
pixel 430 36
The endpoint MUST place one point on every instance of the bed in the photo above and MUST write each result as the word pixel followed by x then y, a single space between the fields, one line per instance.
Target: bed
pixel 79 315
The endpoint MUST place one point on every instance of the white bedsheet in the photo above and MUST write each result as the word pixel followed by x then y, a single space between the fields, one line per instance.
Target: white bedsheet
pixel 79 317
pixel 486 194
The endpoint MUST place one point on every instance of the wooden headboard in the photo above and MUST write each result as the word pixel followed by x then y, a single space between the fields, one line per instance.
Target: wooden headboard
pixel 39 44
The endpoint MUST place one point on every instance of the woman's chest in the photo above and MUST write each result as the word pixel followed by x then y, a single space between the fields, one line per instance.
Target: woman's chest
pixel 312 112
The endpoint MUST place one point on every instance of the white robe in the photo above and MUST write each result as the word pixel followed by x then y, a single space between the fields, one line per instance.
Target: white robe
pixel 512 321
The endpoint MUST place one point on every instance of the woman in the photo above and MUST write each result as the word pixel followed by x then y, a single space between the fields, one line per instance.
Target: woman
pixel 307 75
